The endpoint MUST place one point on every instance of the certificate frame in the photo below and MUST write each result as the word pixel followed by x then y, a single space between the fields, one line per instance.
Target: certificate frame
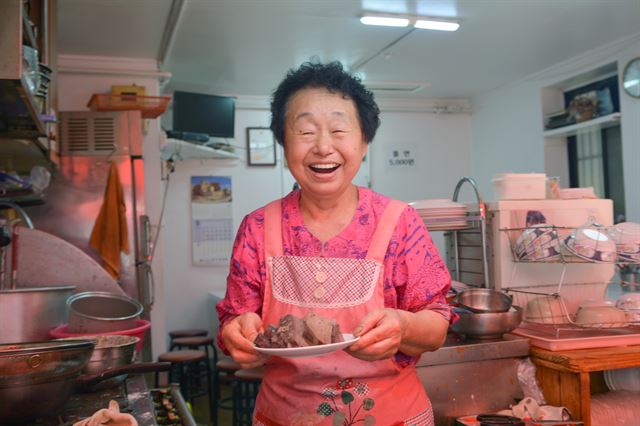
pixel 261 147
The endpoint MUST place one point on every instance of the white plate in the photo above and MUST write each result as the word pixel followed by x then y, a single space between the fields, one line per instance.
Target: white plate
pixel 310 351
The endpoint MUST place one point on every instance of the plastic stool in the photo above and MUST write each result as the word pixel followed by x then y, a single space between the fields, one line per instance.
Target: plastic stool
pixel 184 369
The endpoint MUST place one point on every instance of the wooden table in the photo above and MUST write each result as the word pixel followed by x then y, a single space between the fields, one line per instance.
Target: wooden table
pixel 569 378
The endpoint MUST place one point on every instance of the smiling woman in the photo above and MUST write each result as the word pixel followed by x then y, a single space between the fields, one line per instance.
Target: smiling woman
pixel 341 252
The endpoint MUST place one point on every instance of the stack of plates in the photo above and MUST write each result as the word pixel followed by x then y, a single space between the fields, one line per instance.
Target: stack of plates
pixel 441 214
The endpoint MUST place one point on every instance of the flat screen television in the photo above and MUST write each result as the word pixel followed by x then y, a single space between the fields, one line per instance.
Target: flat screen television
pixel 201 113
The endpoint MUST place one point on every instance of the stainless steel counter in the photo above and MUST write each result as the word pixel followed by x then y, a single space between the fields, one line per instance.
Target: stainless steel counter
pixel 472 376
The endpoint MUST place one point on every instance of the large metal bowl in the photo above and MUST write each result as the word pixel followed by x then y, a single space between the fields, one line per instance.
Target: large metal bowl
pixel 99 312
pixel 110 351
pixel 491 325
pixel 37 378
pixel 484 300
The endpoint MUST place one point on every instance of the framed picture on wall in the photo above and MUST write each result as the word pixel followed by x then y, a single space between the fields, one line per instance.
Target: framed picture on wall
pixel 261 147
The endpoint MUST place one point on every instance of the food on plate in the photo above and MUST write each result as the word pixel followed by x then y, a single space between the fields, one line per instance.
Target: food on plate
pixel 295 332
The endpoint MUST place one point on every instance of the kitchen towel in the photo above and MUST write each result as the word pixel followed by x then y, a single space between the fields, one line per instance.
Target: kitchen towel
pixel 111 416
pixel 110 235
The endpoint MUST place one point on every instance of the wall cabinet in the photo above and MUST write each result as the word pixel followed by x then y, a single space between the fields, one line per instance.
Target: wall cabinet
pixel 25 72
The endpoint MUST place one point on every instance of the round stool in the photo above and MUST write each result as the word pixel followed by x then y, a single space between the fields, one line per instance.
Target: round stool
pixel 224 372
pixel 189 332
pixel 185 369
pixel 202 343
pixel 245 390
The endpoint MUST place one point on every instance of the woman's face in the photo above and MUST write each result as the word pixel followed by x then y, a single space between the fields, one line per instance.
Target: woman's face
pixel 323 142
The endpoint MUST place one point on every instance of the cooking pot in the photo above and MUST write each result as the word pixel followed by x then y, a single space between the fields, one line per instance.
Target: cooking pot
pixel 99 312
pixel 37 378
pixel 32 312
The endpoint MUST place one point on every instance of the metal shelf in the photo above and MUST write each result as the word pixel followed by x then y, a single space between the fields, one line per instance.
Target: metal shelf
pixel 597 123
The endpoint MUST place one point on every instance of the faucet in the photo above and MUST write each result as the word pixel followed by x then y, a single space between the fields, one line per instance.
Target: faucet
pixel 23 214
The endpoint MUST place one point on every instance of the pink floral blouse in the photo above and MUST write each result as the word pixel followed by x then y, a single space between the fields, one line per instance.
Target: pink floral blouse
pixel 415 277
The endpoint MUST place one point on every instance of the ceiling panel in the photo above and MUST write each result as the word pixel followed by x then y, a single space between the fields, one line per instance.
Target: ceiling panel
pixel 244 47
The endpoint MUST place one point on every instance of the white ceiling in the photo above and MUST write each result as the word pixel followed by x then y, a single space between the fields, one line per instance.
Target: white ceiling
pixel 244 47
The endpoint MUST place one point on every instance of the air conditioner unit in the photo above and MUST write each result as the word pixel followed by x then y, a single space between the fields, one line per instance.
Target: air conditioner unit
pixel 96 133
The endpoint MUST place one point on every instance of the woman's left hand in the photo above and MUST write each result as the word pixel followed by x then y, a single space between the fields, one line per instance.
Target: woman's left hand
pixel 381 333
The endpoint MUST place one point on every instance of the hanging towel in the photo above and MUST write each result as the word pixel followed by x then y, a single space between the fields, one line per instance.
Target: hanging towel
pixel 109 236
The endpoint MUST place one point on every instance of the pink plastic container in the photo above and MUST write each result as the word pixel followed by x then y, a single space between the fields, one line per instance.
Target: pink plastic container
pixel 139 331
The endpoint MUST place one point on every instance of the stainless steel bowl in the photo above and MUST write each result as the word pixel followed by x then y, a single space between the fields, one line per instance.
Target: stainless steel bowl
pixel 488 325
pixel 110 351
pixel 484 300
pixel 100 312
pixel 37 378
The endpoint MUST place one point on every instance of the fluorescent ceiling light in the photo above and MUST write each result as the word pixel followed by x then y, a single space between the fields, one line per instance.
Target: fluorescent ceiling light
pixel 397 20
pixel 427 24
pixel 386 21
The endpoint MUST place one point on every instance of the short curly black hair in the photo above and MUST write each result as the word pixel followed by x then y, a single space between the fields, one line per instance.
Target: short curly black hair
pixel 335 79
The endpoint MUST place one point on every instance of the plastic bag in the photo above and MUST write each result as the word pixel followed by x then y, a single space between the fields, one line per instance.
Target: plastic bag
pixel 528 382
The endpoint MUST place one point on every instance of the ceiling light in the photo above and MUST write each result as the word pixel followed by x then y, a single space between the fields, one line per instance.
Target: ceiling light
pixel 421 22
pixel 386 21
pixel 429 24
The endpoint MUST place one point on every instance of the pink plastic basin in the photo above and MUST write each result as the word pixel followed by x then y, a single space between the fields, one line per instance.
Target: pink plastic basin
pixel 139 331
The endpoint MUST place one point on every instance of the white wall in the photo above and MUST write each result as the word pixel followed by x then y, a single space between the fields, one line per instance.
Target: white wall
pixel 507 123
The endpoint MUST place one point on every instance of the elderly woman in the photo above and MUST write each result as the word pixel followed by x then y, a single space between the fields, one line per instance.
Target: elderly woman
pixel 343 252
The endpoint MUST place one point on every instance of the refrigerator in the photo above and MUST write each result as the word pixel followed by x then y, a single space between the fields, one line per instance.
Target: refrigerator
pixel 90 141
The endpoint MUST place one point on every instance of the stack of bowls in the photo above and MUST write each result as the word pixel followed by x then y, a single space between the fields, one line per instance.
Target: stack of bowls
pixel 485 314
pixel 538 243
pixel 592 243
pixel 630 304
pixel 626 236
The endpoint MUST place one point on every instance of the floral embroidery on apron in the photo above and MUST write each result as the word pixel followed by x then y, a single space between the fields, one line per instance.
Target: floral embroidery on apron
pixel 348 403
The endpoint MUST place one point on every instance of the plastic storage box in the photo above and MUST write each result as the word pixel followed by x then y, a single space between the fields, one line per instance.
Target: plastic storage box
pixel 519 186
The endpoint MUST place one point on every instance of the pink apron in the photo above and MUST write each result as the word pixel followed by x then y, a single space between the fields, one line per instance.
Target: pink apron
pixel 336 388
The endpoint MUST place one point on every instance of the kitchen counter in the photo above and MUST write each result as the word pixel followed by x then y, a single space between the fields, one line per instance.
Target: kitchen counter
pixel 468 376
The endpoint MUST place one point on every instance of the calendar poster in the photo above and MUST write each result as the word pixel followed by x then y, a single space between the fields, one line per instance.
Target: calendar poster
pixel 211 220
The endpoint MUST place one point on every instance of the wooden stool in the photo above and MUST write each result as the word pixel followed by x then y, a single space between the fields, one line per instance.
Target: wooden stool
pixel 245 390
pixel 185 369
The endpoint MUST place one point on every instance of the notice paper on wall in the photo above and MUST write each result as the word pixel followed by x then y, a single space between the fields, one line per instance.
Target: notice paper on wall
pixel 211 220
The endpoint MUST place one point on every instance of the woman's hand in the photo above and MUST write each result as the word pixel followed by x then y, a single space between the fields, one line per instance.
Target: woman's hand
pixel 381 332
pixel 238 336
pixel 384 332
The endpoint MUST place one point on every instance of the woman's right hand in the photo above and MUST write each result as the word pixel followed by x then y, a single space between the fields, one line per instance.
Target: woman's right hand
pixel 238 336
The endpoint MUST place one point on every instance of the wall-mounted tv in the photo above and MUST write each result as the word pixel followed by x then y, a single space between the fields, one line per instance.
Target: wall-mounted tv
pixel 202 113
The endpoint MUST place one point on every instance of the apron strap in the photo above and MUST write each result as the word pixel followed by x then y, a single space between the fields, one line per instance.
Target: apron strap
pixel 273 229
pixel 384 230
